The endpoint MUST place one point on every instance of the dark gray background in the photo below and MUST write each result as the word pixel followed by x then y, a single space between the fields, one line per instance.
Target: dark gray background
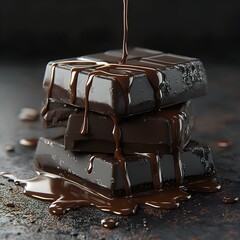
pixel 59 28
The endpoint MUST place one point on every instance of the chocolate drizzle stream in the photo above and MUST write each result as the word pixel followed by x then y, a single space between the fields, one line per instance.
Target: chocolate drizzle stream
pixel 125 32
pixel 156 173
pixel 90 166
pixel 176 120
pixel 176 125
pixel 120 158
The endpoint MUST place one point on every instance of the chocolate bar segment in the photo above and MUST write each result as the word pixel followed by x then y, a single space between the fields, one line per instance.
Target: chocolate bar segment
pixel 147 81
pixel 114 56
pixel 51 157
pixel 144 133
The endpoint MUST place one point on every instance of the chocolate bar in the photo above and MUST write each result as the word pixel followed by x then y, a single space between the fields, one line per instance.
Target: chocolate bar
pixel 144 133
pixel 102 170
pixel 149 80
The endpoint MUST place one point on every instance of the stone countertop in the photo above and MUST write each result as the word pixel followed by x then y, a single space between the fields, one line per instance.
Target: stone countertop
pixel 205 216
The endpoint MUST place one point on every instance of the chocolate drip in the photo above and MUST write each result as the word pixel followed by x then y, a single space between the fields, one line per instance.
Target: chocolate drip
pixel 119 156
pixel 176 131
pixel 125 32
pixel 74 76
pixel 109 223
pixel 125 81
pixel 156 174
pixel 75 71
pixel 166 199
pixel 176 151
pixel 90 166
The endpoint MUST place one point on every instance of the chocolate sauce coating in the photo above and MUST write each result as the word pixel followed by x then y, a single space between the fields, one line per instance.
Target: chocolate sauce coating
pixel 141 85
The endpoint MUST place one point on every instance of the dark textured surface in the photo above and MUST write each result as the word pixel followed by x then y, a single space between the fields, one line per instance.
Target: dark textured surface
pixel 203 217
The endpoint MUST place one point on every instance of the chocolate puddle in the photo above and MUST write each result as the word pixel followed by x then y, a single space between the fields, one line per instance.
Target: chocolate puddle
pixel 67 195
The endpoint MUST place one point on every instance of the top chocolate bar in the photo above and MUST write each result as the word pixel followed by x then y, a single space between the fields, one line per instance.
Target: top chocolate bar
pixel 148 80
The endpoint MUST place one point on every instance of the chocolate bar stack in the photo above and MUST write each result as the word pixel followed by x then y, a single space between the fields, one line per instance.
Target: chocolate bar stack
pixel 127 127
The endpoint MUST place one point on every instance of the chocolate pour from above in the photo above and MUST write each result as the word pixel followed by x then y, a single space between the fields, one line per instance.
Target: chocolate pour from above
pixel 66 195
pixel 125 32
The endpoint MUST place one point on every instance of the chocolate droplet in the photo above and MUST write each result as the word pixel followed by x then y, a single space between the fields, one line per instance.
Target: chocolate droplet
pixel 230 199
pixel 109 223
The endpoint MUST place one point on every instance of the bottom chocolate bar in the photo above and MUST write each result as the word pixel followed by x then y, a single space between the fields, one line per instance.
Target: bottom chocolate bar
pixel 101 170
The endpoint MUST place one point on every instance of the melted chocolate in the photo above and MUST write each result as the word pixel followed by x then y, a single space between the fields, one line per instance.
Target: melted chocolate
pixel 109 223
pixel 119 157
pixel 205 186
pixel 230 199
pixel 90 166
pixel 156 174
pixel 67 195
pixel 125 32
pixel 80 66
pixel 176 125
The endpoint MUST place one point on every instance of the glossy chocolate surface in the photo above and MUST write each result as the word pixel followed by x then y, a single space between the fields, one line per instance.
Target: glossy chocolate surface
pixel 145 133
pixel 140 85
pixel 66 195
pixel 144 170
